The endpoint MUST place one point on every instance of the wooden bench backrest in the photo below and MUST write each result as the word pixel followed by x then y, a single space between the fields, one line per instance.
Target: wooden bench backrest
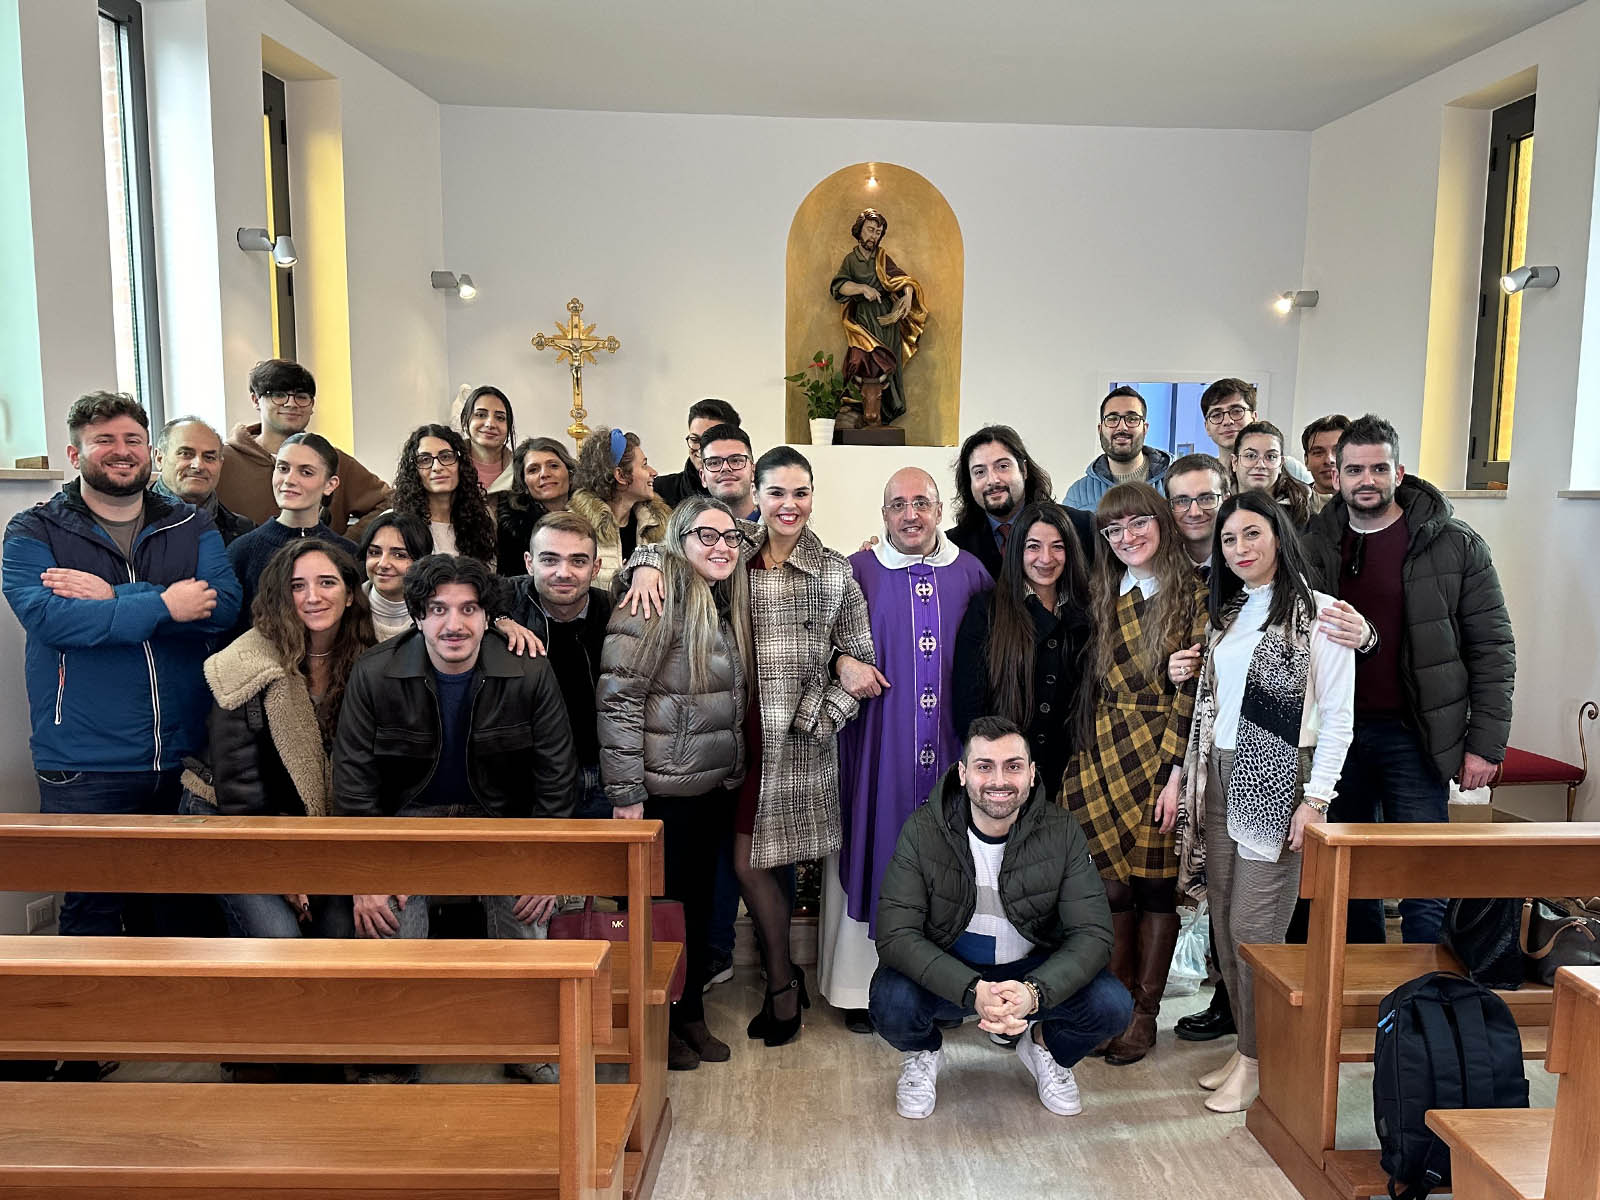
pixel 41 852
pixel 297 1000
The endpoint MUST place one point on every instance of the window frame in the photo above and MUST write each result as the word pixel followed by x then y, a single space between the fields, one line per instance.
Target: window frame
pixel 274 104
pixel 1511 124
pixel 129 17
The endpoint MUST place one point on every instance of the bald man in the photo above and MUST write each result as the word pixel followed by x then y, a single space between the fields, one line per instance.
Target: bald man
pixel 917 584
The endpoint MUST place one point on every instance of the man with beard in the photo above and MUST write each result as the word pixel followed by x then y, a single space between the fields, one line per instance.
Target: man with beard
pixel 119 591
pixel 1126 458
pixel 995 478
pixel 285 395
pixel 917 584
pixel 992 907
pixel 188 463
pixel 1434 672
pixel 884 315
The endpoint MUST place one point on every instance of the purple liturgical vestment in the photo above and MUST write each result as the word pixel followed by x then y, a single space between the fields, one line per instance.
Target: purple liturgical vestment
pixel 891 756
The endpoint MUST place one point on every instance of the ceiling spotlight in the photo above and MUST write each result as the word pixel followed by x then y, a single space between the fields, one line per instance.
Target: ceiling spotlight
pixel 256 238
pixel 1290 301
pixel 1529 277
pixel 449 281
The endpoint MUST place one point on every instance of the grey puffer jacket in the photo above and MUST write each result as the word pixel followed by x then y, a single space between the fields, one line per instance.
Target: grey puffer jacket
pixel 1459 657
pixel 657 737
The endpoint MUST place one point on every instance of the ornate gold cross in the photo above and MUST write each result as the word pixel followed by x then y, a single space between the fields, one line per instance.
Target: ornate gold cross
pixel 575 343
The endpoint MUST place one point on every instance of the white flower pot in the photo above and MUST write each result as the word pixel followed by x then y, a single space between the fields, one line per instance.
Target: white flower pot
pixel 822 431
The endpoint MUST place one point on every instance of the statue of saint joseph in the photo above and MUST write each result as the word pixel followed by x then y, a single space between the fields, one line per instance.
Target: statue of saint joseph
pixel 884 315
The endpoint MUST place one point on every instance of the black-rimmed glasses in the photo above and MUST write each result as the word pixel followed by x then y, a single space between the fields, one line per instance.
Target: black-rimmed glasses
pixel 710 537
pixel 445 458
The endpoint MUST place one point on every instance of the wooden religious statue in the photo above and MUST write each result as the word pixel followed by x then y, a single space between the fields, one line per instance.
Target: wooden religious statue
pixel 884 315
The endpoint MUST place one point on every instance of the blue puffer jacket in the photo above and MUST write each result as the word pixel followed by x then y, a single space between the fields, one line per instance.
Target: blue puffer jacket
pixel 116 685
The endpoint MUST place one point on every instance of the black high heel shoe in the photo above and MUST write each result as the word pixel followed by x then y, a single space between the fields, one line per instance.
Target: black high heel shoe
pixel 767 1026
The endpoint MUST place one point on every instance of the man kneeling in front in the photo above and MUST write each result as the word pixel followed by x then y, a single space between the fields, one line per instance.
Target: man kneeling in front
pixel 991 906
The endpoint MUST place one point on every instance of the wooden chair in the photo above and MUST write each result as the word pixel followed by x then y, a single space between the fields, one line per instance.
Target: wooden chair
pixel 204 999
pixel 356 856
pixel 1523 768
pixel 1317 1004
pixel 1530 1154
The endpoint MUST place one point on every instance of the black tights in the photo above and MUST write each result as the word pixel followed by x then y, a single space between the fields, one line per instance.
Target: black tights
pixel 767 900
pixel 1146 895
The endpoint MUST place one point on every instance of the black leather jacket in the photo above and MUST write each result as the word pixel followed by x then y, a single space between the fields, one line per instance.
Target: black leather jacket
pixel 520 761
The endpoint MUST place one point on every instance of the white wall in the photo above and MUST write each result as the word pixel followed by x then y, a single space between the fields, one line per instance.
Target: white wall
pixel 1089 252
pixel 1369 245
pixel 208 53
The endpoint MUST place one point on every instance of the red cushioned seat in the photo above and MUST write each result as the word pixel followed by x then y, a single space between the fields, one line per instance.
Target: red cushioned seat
pixel 1523 766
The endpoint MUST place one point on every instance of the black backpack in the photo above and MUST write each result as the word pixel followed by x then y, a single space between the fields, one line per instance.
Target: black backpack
pixel 1443 1042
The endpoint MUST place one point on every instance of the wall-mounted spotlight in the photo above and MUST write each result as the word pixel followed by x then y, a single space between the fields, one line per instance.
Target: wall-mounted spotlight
pixel 1290 301
pixel 282 250
pixel 449 281
pixel 1529 277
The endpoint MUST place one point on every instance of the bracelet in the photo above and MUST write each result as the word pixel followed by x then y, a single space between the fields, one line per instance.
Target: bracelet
pixel 1320 807
pixel 1038 1001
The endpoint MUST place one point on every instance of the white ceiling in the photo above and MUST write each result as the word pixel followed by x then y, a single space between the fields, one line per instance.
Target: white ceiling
pixel 1246 64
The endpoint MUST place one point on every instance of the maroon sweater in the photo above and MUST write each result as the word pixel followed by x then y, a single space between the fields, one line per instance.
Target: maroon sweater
pixel 1371 579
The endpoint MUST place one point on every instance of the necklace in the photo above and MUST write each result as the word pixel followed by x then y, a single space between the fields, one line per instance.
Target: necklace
pixel 314 654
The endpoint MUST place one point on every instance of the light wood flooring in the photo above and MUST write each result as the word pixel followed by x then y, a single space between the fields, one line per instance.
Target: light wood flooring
pixel 815 1120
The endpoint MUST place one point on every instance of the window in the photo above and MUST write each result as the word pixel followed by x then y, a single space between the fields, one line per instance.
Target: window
pixel 125 128
pixel 1505 240
pixel 275 135
pixel 1175 423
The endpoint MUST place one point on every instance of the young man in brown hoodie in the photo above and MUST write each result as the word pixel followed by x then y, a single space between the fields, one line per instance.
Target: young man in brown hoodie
pixel 285 394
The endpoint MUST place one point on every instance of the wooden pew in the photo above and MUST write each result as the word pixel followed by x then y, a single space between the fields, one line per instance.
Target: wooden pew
pixel 356 856
pixel 1530 1154
pixel 202 999
pixel 1317 1004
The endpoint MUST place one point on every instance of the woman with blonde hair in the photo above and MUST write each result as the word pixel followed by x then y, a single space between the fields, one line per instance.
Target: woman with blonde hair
pixel 670 707
pixel 1146 603
pixel 614 490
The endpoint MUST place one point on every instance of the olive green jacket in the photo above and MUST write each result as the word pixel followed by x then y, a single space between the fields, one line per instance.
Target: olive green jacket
pixel 1049 889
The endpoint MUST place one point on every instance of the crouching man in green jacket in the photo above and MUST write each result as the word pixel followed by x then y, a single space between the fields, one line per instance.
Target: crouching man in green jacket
pixel 991 906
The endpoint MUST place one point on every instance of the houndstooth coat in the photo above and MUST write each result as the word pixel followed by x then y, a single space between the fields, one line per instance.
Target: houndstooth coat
pixel 800 613
pixel 1141 729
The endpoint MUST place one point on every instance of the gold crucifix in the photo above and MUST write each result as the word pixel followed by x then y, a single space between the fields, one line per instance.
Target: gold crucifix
pixel 575 343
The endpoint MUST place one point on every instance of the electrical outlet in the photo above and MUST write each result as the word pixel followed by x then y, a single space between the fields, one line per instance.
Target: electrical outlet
pixel 41 914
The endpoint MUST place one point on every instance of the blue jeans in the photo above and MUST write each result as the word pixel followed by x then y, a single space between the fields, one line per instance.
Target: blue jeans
pixel 118 793
pixel 593 804
pixel 906 1014
pixel 1389 776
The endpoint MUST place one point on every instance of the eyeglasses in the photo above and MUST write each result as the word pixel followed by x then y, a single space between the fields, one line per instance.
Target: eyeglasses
pixel 1205 501
pixel 710 537
pixel 445 458
pixel 734 462
pixel 693 442
pixel 1122 420
pixel 1138 525
pixel 1271 457
pixel 1234 412
pixel 290 399
pixel 920 505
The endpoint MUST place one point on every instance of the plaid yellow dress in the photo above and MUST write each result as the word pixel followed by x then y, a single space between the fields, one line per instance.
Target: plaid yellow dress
pixel 1141 728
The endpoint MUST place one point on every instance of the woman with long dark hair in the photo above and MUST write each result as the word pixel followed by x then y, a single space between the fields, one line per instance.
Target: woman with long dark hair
pixel 1258 465
pixel 392 543
pixel 1021 652
pixel 489 428
pixel 541 483
pixel 1146 603
pixel 1274 717
pixel 670 707
pixel 278 691
pixel 431 483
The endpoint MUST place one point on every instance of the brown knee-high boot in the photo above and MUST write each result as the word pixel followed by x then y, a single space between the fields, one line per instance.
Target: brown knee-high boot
pixel 1158 936
pixel 1124 955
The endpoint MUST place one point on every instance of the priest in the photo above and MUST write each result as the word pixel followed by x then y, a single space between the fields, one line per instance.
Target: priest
pixel 917 584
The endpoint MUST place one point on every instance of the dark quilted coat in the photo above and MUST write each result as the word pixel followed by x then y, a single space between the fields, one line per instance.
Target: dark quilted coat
pixel 1048 886
pixel 1459 659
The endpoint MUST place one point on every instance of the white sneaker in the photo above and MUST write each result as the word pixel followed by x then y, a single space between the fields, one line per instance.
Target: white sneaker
pixel 916 1092
pixel 1058 1090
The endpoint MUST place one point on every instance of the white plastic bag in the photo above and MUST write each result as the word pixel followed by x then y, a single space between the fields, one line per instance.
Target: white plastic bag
pixel 1188 970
